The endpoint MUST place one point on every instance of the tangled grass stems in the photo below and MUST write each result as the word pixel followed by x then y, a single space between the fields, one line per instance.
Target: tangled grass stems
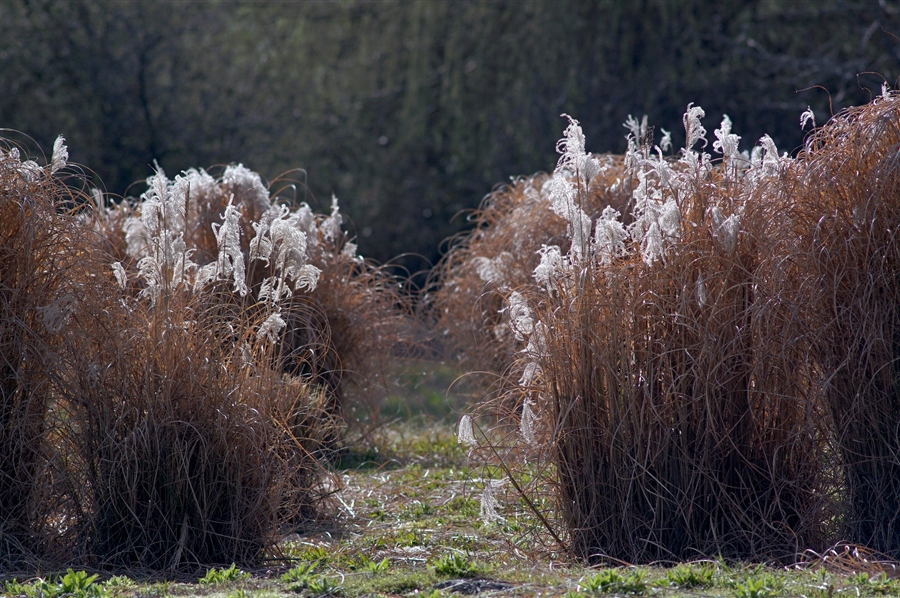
pixel 845 189
pixel 43 262
pixel 191 452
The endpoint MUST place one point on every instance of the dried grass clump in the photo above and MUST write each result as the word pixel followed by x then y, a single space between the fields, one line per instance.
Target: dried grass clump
pixel 846 190
pixel 350 314
pixel 683 427
pixel 188 450
pixel 500 254
pixel 149 417
pixel 41 261
pixel 664 370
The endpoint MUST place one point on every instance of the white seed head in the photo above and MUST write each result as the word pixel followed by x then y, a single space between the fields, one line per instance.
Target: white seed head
pixel 652 247
pixel 306 278
pixel 231 258
pixel 579 229
pixel 526 426
pixel 137 237
pixel 692 127
pixel 60 155
pixel 331 226
pixel 271 328
pixel 536 348
pixel 609 236
pixel 571 146
pixel 493 270
pixel 520 320
pixel 806 117
pixel 553 266
pixel 767 159
pixel 204 276
pixel 665 144
pixel 489 503
pixel 465 433
pixel 725 230
pixel 670 219
pixel 532 370
pixel 726 142
pixel 637 129
pixel 121 276
pixel 247 187
pixel 350 251
pixel 149 271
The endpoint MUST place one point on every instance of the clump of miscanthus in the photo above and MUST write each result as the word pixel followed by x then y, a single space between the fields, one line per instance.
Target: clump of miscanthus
pixel 661 360
pixel 43 263
pixel 152 415
pixel 844 192
pixel 334 316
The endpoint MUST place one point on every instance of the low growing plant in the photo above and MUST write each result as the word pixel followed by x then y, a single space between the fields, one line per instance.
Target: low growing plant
pixel 454 564
pixel 612 581
pixel 879 584
pixel 759 586
pixel 219 576
pixel 690 576
pixel 374 567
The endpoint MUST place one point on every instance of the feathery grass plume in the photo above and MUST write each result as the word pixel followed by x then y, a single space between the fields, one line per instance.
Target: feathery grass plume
pixel 668 383
pixel 465 433
pixel 727 143
pixel 844 190
pixel 489 502
pixel 231 260
pixel 60 155
pixel 694 131
pixel 43 261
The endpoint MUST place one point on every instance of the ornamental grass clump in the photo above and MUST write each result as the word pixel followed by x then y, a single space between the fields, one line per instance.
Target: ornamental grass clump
pixel 41 261
pixel 192 440
pixel 151 418
pixel 845 187
pixel 346 315
pixel 662 368
pixel 190 449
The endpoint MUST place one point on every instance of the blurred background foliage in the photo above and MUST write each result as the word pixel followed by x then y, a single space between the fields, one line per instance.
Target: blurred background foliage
pixel 411 111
